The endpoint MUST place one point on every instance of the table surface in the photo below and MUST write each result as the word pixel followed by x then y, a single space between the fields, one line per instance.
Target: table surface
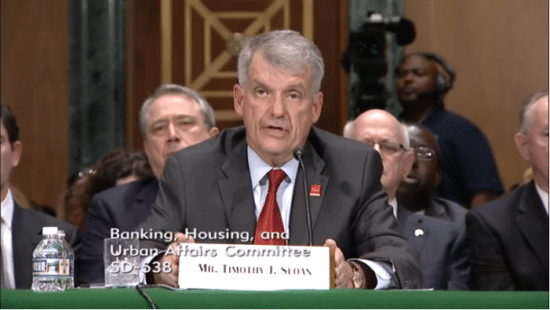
pixel 130 298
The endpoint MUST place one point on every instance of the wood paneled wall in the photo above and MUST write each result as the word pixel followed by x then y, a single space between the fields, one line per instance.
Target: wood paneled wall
pixel 146 43
pixel 499 50
pixel 34 82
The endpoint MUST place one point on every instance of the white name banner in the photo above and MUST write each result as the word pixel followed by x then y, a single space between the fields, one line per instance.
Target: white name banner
pixel 254 267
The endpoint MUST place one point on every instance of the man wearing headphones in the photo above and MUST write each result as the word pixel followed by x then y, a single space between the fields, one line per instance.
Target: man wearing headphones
pixel 469 173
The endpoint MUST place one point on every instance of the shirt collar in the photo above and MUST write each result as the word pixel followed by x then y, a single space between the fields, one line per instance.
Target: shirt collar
pixel 7 209
pixel 259 168
pixel 393 205
pixel 543 196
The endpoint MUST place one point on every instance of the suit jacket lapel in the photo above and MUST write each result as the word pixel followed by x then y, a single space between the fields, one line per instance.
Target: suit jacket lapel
pixel 412 227
pixel 437 210
pixel 314 165
pixel 236 191
pixel 144 198
pixel 26 234
pixel 532 221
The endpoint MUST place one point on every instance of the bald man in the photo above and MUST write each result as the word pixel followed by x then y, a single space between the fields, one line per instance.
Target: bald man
pixel 442 253
pixel 509 236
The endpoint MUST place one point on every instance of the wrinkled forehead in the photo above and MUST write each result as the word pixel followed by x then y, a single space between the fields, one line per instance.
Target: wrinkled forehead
pixel 381 131
pixel 173 104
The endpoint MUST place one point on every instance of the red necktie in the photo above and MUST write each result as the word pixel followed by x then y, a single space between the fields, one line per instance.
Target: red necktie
pixel 270 217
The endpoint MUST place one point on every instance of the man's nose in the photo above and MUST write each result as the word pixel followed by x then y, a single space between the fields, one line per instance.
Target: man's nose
pixel 278 108
pixel 407 76
pixel 173 135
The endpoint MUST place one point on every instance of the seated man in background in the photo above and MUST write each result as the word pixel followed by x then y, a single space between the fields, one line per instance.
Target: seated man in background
pixel 469 174
pixel 21 228
pixel 441 245
pixel 416 191
pixel 222 184
pixel 171 119
pixel 509 236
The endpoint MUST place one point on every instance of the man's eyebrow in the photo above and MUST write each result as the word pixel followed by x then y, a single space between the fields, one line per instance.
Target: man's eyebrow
pixel 177 117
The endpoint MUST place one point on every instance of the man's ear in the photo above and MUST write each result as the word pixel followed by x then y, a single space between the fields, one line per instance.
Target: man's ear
pixel 522 144
pixel 238 95
pixel 317 106
pixel 437 177
pixel 17 148
pixel 213 131
pixel 145 148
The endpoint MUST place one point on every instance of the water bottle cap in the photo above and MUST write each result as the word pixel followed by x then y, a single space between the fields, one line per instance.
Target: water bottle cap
pixel 46 230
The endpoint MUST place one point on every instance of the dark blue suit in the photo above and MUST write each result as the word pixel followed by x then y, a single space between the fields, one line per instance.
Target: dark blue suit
pixel 443 249
pixel 123 207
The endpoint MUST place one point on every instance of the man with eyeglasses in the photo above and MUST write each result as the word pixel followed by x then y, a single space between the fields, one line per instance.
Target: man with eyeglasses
pixel 443 252
pixel 416 191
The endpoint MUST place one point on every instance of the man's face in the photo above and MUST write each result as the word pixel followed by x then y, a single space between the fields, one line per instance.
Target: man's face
pixel 11 154
pixel 415 76
pixel 173 123
pixel 384 132
pixel 424 175
pixel 533 145
pixel 278 110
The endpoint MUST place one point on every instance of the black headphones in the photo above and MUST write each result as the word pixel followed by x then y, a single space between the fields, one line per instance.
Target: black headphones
pixel 443 85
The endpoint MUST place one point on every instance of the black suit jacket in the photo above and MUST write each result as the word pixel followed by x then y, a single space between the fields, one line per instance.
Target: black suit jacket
pixel 443 249
pixel 509 242
pixel 207 187
pixel 447 210
pixel 123 207
pixel 26 234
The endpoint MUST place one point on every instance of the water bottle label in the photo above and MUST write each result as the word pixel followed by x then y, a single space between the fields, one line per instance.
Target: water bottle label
pixel 51 266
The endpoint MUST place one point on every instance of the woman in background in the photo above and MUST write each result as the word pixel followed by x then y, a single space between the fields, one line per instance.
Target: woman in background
pixel 117 167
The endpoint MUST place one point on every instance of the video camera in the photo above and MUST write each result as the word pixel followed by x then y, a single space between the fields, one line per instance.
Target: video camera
pixel 366 51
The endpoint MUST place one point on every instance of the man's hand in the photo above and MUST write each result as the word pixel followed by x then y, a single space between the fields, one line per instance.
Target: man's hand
pixel 171 278
pixel 343 273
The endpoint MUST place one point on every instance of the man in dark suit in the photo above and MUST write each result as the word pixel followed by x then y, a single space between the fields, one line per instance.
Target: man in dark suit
pixel 441 245
pixel 509 236
pixel 416 191
pixel 173 118
pixel 21 228
pixel 222 183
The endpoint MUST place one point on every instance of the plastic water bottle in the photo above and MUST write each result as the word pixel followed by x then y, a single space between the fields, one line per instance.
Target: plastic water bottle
pixel 66 271
pixel 51 263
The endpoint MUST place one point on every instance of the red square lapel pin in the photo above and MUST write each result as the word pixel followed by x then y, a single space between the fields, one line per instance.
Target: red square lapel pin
pixel 315 190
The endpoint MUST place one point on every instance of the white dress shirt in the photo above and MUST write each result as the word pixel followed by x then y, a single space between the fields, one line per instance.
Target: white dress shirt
pixel 543 196
pixel 258 175
pixel 7 248
pixel 260 185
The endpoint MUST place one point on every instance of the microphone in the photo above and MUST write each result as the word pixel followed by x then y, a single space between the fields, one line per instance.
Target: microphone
pixel 298 154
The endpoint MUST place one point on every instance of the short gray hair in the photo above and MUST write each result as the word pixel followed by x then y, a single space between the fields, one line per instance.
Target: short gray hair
pixel 287 50
pixel 524 118
pixel 173 89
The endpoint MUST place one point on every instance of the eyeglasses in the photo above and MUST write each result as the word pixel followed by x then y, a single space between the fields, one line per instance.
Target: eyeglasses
pixel 86 172
pixel 386 147
pixel 424 153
